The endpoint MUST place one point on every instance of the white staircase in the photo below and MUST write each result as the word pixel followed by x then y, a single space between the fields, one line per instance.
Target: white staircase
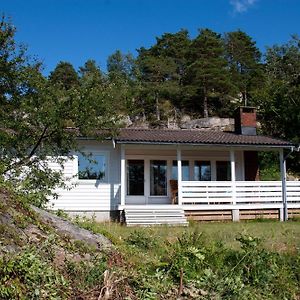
pixel 158 216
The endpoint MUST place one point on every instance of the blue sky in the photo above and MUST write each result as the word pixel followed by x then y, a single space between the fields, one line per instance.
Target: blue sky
pixel 77 30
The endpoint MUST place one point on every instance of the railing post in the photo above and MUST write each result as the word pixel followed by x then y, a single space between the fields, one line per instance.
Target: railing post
pixel 285 215
pixel 123 175
pixel 235 212
pixel 179 176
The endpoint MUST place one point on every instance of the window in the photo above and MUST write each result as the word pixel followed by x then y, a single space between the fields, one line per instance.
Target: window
pixel 185 169
pixel 202 170
pixel 92 166
pixel 158 178
pixel 223 171
pixel 135 177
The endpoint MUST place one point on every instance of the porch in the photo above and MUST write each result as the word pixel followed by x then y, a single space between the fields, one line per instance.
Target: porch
pixel 202 190
pixel 260 197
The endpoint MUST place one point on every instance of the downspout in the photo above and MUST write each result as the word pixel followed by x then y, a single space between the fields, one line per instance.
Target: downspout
pixel 284 194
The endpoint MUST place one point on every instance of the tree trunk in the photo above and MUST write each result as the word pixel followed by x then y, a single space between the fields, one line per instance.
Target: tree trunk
pixel 205 108
pixel 245 98
pixel 157 107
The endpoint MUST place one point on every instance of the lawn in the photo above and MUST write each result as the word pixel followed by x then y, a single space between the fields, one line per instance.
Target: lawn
pixel 245 260
pixel 274 235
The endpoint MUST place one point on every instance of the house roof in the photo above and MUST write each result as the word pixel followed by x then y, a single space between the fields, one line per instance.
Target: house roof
pixel 196 137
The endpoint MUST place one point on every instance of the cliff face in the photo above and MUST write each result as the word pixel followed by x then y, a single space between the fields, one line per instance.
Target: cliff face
pixel 185 122
pixel 213 123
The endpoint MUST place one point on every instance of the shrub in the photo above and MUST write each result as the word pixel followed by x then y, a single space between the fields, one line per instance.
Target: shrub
pixel 141 239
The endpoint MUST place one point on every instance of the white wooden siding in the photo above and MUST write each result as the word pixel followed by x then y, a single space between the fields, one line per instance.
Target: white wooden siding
pixel 89 195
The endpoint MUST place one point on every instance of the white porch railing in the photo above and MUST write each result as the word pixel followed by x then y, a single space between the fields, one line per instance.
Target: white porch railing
pixel 238 195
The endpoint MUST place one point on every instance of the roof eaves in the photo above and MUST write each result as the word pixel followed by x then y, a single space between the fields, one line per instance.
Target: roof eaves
pixel 287 146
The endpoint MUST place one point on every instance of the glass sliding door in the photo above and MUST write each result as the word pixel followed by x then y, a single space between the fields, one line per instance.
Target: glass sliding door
pixel 223 171
pixel 185 170
pixel 202 170
pixel 158 178
pixel 135 177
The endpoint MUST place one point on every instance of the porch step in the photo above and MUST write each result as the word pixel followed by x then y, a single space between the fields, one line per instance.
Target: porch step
pixel 148 217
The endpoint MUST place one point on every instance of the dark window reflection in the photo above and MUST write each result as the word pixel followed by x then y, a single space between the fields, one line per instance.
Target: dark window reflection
pixel 91 166
pixel 202 170
pixel 158 178
pixel 223 171
pixel 135 177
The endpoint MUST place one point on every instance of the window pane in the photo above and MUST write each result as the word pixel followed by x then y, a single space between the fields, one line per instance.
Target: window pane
pixel 158 178
pixel 223 171
pixel 135 177
pixel 91 166
pixel 202 170
pixel 185 170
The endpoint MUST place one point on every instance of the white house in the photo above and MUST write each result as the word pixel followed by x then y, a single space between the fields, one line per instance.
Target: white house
pixel 154 176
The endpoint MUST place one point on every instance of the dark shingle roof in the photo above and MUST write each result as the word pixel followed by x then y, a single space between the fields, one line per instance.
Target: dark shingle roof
pixel 186 136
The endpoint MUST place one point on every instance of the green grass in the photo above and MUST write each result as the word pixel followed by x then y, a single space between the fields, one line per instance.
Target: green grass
pixel 246 260
pixel 275 236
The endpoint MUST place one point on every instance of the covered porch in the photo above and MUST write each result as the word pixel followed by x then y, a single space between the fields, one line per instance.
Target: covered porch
pixel 207 178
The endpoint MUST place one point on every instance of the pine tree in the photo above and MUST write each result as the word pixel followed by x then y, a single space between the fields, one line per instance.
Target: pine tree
pixel 64 75
pixel 244 62
pixel 207 74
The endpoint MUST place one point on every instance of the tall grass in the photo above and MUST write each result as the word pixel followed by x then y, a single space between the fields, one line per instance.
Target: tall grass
pixel 251 260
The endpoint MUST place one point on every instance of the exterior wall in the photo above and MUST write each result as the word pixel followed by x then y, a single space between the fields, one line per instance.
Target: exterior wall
pixel 90 196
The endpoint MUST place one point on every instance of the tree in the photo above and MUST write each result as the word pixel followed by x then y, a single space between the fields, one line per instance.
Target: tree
pixel 279 99
pixel 162 68
pixel 36 117
pixel 207 71
pixel 244 62
pixel 64 75
pixel 90 74
pixel 125 86
pixel 120 65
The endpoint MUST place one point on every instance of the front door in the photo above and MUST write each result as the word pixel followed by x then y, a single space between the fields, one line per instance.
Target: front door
pixel 135 182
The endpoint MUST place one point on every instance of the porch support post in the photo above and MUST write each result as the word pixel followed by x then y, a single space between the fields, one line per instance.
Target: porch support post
pixel 179 175
pixel 284 214
pixel 123 174
pixel 235 212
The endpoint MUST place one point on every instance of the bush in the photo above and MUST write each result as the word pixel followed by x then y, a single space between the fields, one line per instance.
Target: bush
pixel 141 239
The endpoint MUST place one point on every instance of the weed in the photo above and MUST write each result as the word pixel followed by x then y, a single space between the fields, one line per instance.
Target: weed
pixel 142 239
pixel 27 276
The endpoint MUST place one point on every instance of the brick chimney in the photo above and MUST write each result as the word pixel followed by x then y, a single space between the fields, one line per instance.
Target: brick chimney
pixel 245 120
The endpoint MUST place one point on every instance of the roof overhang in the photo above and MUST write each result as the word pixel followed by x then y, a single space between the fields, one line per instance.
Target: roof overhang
pixel 206 144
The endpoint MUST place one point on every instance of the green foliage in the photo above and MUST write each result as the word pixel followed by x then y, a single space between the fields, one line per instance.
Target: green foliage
pixel 279 99
pixel 244 63
pixel 27 276
pixel 207 67
pixel 64 75
pixel 141 239
pixel 269 166
pixel 210 268
pixel 36 112
pixel 187 255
